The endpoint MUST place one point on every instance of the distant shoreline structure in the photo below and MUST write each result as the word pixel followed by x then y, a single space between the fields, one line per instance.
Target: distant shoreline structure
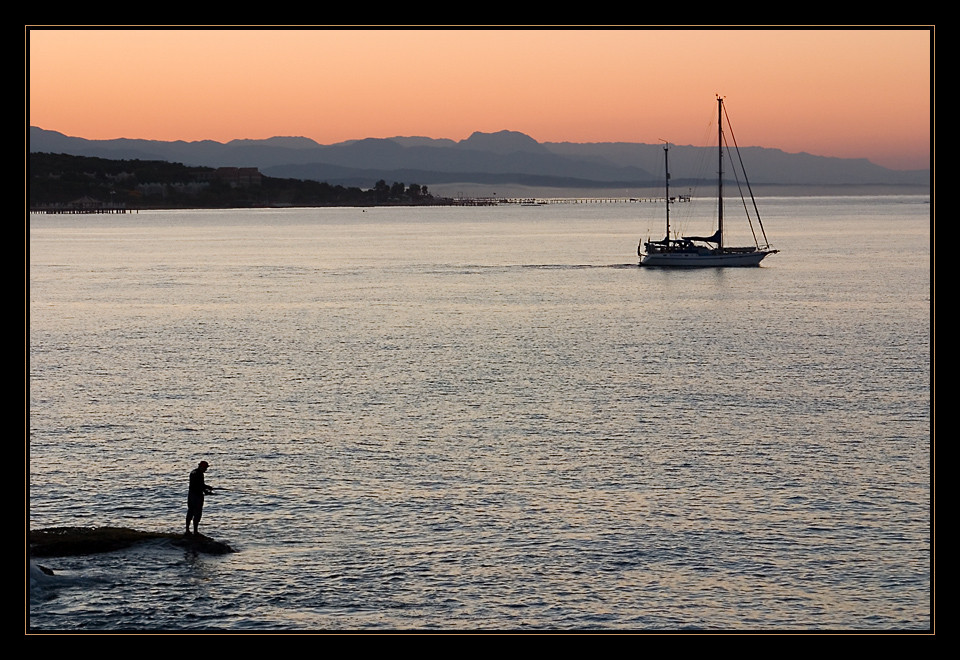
pixel 475 190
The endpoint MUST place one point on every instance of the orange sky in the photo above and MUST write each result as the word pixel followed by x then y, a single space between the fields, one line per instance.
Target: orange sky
pixel 852 93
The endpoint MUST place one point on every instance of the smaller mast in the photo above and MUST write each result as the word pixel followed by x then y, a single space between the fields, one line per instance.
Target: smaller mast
pixel 666 168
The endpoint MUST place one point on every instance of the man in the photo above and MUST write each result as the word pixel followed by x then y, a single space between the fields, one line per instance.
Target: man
pixel 195 496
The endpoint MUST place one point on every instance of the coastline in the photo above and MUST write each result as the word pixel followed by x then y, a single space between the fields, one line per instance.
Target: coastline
pixel 477 190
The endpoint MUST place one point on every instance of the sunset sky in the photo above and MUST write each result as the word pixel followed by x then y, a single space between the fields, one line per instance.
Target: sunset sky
pixel 851 93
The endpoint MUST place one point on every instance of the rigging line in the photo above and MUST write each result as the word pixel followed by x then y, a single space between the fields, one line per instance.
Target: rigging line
pixel 749 188
pixel 694 162
pixel 706 166
pixel 743 200
pixel 739 187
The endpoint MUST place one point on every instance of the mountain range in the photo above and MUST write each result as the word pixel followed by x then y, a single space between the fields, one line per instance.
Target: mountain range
pixel 504 157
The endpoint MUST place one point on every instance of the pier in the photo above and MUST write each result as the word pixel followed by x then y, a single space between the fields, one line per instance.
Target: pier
pixel 545 201
pixel 82 205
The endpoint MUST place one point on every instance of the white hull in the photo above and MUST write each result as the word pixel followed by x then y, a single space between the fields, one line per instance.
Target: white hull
pixel 704 259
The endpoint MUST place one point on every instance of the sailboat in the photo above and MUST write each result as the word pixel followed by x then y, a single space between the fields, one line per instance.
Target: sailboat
pixel 705 251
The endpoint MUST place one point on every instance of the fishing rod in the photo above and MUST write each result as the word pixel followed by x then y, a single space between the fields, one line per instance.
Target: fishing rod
pixel 244 492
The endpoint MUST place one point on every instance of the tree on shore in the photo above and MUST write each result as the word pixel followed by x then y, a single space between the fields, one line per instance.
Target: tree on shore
pixel 60 179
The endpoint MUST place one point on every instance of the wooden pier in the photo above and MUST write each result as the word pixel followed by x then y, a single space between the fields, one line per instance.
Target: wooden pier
pixel 82 205
pixel 545 201
pixel 65 209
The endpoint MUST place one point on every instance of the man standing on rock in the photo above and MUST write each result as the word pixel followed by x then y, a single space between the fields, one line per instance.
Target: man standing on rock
pixel 195 496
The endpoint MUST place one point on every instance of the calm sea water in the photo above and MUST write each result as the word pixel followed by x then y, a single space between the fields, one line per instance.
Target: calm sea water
pixel 484 419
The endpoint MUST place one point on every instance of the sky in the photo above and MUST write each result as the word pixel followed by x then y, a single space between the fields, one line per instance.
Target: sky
pixel 848 93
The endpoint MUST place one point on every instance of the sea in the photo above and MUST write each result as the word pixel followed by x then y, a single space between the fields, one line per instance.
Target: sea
pixel 484 419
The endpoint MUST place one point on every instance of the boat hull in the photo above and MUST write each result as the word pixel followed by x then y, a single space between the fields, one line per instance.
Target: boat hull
pixel 711 259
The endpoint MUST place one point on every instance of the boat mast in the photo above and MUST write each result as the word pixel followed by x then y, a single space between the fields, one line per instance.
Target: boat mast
pixel 720 172
pixel 666 169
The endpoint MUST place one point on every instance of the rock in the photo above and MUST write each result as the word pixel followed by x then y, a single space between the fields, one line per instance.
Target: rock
pixel 202 543
pixel 69 541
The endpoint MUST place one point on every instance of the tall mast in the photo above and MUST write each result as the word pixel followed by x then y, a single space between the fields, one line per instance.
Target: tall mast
pixel 720 171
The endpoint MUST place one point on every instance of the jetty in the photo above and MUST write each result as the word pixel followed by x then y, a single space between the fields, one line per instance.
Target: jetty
pixel 545 201
pixel 81 205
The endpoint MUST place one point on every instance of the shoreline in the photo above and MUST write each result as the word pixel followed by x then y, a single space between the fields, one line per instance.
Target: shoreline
pixel 471 190
pixel 492 196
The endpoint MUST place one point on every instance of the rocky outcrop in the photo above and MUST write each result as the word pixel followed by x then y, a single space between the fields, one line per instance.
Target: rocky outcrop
pixel 70 541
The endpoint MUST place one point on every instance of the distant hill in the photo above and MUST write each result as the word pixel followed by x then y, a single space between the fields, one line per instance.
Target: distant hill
pixel 504 157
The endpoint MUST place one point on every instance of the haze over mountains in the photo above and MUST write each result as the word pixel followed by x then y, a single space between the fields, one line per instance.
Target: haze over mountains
pixel 502 158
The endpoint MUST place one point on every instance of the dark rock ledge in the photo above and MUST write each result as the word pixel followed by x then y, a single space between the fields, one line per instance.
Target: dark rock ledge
pixel 70 541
